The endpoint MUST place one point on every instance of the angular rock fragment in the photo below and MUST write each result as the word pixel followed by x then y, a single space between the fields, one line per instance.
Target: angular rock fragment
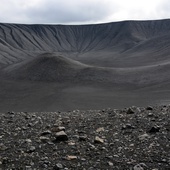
pixel 44 138
pixel 110 163
pixel 47 132
pixel 28 168
pixel 58 166
pixel 5 160
pixel 82 138
pixel 150 114
pixel 61 136
pixel 154 129
pixel 127 126
pixel 28 140
pixel 144 136
pixel 3 147
pixel 58 129
pixel 101 129
pixel 31 149
pixel 71 143
pixel 140 166
pixel 98 140
pixel 137 167
pixel 11 112
pixel 149 108
pixel 71 157
pixel 130 111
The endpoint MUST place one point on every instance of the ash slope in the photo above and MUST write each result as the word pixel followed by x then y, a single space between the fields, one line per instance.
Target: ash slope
pixel 49 67
pixel 119 44
pixel 50 82
pixel 57 67
pixel 46 67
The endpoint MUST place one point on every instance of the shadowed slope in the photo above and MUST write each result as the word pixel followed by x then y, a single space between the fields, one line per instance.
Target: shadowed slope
pixel 45 67
pixel 100 44
pixel 49 67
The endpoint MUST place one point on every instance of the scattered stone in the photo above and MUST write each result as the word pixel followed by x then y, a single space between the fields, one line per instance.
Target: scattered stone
pixel 44 138
pixel 31 149
pixel 144 136
pixel 3 147
pixel 101 129
pixel 46 162
pixel 11 112
pixel 82 138
pixel 98 140
pixel 58 166
pixel 28 140
pixel 92 147
pixel 110 163
pixel 71 143
pixel 150 114
pixel 28 168
pixel 5 160
pixel 127 126
pixel 164 160
pixel 58 129
pixel 27 117
pixel 149 108
pixel 61 128
pixel 83 159
pixel 131 145
pixel 138 167
pixel 116 156
pixel 130 111
pixel 47 132
pixel 71 157
pixel 75 136
pixel 24 128
pixel 154 129
pixel 38 147
pixel 50 142
pixel 61 136
pixel 30 124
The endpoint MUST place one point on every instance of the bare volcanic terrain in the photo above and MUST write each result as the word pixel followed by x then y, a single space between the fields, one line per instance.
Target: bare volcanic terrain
pixel 66 67
pixel 131 138
pixel 50 74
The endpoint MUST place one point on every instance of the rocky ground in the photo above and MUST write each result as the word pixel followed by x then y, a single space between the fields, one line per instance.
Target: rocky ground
pixel 132 138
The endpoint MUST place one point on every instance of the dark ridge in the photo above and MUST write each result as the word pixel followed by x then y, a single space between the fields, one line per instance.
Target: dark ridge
pixel 63 67
pixel 45 67
pixel 84 40
pixel 49 67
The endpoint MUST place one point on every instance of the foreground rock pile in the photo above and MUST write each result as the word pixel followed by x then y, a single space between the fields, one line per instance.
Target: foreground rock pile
pixel 133 138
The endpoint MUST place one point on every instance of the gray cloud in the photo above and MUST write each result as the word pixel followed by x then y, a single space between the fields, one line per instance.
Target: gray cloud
pixel 73 11
pixel 164 9
pixel 81 11
pixel 56 11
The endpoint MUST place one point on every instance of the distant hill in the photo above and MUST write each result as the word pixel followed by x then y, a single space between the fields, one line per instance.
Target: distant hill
pixel 118 44
pixel 51 67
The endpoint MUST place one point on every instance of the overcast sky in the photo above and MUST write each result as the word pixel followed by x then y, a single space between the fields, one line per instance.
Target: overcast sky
pixel 81 11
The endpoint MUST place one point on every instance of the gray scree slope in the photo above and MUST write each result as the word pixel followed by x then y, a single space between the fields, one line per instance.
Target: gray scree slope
pixel 49 67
